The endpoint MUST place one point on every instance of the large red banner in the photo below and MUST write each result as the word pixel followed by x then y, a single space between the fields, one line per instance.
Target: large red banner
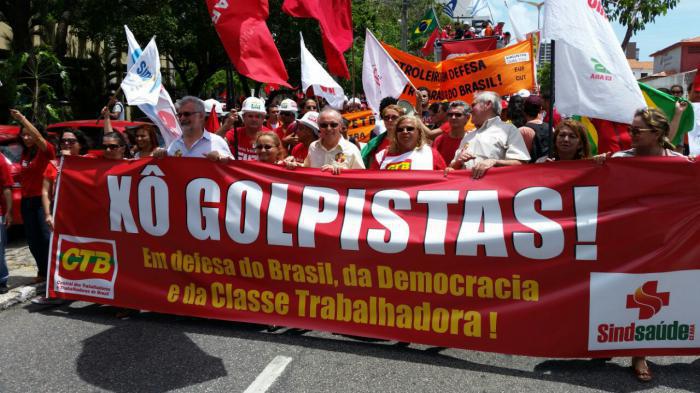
pixel 569 259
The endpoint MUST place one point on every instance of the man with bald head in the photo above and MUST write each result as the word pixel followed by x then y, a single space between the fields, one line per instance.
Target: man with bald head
pixel 332 152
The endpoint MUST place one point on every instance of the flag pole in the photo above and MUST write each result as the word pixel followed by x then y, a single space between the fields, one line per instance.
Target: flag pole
pixel 551 101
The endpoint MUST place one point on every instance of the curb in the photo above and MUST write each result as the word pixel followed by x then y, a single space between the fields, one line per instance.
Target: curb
pixel 18 295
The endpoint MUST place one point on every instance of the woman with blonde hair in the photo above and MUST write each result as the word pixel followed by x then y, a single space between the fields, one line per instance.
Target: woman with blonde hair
pixel 409 148
pixel 570 142
pixel 269 148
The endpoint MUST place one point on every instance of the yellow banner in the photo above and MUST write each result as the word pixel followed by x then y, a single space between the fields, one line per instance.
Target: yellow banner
pixel 504 71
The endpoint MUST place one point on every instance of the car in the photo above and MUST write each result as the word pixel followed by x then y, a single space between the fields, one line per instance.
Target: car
pixel 12 149
pixel 93 130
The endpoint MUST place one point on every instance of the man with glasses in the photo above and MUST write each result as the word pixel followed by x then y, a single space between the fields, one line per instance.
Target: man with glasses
pixel 446 144
pixel 241 140
pixel 195 141
pixel 494 143
pixel 331 152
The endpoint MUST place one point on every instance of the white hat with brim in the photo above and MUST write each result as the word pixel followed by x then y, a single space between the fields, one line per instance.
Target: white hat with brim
pixel 310 119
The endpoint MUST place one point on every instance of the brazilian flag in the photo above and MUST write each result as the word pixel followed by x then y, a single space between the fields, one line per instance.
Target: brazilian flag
pixel 427 24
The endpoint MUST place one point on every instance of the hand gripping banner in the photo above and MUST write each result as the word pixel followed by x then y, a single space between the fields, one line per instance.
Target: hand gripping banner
pixel 568 259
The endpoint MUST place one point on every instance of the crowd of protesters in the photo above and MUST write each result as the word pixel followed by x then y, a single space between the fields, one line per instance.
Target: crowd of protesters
pixel 491 131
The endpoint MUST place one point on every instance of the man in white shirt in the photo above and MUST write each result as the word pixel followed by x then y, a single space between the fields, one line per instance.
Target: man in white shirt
pixel 331 152
pixel 494 143
pixel 195 140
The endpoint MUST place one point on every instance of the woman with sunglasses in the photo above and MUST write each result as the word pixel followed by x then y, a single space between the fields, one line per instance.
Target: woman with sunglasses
pixel 37 155
pixel 649 131
pixel 570 143
pixel 269 148
pixel 390 115
pixel 409 149
pixel 115 145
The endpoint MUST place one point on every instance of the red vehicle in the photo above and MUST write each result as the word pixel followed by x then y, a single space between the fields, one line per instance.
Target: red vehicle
pixel 12 148
pixel 93 131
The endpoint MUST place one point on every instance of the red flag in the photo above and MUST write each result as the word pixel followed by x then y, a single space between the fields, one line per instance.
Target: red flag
pixel 248 42
pixel 335 19
pixel 427 49
pixel 465 47
pixel 213 120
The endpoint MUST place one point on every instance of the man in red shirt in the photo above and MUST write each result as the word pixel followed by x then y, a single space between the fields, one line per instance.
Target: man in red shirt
pixel 5 219
pixel 242 139
pixel 457 117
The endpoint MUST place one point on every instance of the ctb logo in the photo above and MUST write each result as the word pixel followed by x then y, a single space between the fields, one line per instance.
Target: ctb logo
pixel 648 300
pixel 86 260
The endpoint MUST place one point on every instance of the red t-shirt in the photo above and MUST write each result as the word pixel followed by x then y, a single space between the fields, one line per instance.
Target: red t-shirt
pixel 445 127
pixel 246 150
pixel 446 146
pixel 32 174
pixel 5 181
pixel 299 152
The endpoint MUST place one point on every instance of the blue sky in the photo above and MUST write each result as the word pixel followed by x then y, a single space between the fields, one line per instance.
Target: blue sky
pixel 680 23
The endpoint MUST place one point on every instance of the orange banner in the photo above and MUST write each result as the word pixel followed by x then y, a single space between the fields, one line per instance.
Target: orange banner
pixel 361 125
pixel 504 71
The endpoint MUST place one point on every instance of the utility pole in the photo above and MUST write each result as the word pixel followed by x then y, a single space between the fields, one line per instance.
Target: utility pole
pixel 404 25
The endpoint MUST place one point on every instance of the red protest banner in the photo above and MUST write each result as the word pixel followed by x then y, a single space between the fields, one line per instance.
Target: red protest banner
pixel 453 48
pixel 569 259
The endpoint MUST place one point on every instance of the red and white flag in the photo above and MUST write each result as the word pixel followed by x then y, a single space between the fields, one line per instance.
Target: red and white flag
pixel 427 49
pixel 381 76
pixel 335 19
pixel 242 29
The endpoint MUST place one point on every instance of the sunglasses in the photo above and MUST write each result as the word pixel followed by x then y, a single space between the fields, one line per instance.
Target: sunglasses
pixel 264 147
pixel 112 146
pixel 186 114
pixel 405 129
pixel 676 91
pixel 328 125
pixel 390 117
pixel 69 141
pixel 310 108
pixel 457 115
pixel 636 130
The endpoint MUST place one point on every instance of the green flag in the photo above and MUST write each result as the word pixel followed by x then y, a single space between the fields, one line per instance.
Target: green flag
pixel 667 104
pixel 427 24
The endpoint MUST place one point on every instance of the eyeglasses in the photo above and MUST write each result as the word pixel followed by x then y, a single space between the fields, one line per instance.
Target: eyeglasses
pixel 636 130
pixel 328 125
pixel 676 92
pixel 264 147
pixel 457 115
pixel 186 114
pixel 310 108
pixel 69 141
pixel 112 146
pixel 405 129
pixel 390 117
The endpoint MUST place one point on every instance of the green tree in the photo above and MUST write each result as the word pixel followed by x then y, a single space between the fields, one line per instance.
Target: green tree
pixel 635 14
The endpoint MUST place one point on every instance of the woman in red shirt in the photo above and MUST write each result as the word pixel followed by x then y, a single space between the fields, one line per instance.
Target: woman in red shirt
pixel 37 154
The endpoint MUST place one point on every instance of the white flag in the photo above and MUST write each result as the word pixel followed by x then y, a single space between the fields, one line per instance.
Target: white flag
pixel 134 50
pixel 313 74
pixel 517 30
pixel 163 113
pixel 381 76
pixel 592 76
pixel 142 83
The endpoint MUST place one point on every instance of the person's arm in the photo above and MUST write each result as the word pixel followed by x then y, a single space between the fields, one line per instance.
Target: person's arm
pixel 480 168
pixel 228 123
pixel 40 141
pixel 432 134
pixel 46 201
pixel 7 193
pixel 106 116
pixel 681 106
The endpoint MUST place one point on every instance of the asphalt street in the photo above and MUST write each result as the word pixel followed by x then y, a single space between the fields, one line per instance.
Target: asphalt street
pixel 83 347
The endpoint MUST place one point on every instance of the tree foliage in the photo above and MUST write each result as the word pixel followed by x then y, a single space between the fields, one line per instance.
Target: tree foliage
pixel 635 14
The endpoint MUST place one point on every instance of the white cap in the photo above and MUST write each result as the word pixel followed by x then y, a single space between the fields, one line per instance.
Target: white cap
pixel 523 93
pixel 288 105
pixel 219 107
pixel 310 119
pixel 354 100
pixel 254 105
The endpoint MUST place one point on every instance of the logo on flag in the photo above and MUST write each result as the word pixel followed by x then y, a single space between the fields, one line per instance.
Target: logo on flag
pixel 449 8
pixel 648 300
pixel 86 266
pixel 629 311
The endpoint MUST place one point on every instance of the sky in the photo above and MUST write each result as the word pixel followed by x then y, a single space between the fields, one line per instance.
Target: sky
pixel 679 23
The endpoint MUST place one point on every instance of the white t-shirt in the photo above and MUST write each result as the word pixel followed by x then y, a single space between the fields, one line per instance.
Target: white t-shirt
pixel 343 155
pixel 493 140
pixel 207 143
pixel 420 159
